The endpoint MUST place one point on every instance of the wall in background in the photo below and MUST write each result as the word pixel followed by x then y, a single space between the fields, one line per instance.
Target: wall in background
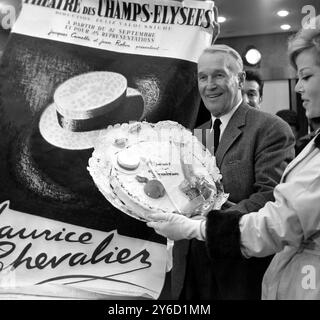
pixel 273 47
pixel 276 96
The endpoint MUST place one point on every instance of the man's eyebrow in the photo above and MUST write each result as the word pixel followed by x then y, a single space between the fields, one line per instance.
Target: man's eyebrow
pixel 213 72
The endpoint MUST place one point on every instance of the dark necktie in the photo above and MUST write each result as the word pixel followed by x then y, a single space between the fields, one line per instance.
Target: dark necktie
pixel 216 133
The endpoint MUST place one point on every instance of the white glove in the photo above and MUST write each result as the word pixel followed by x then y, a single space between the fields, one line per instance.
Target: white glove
pixel 176 226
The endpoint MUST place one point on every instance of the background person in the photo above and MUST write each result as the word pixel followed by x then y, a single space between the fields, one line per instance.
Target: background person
pixel 253 89
pixel 314 125
pixel 291 117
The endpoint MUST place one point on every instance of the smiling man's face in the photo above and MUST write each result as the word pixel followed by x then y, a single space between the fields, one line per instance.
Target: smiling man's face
pixel 219 82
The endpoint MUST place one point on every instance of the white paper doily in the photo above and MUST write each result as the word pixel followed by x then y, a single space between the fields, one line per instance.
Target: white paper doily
pixel 161 147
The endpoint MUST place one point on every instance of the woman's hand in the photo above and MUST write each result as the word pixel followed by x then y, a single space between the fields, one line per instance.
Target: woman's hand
pixel 176 226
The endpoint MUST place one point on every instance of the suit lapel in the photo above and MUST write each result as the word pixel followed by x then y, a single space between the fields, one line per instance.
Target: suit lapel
pixel 231 133
pixel 206 125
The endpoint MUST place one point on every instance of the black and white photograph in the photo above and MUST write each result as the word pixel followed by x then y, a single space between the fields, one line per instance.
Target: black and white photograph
pixel 160 151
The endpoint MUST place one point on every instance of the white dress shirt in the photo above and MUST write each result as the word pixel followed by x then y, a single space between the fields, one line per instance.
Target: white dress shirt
pixel 224 122
pixel 224 119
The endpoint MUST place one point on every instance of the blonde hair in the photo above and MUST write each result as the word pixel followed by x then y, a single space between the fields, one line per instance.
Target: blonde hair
pixel 308 37
pixel 228 50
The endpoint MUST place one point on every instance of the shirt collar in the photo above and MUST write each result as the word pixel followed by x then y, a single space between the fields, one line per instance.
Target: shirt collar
pixel 226 117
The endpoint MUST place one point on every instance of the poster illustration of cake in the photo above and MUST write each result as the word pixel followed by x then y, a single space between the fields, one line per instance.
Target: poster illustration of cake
pixel 123 61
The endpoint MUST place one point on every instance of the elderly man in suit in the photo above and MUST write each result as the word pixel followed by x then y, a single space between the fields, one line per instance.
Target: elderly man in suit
pixel 252 149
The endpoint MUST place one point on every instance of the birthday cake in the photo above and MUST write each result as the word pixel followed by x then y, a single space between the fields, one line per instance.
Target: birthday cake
pixel 142 168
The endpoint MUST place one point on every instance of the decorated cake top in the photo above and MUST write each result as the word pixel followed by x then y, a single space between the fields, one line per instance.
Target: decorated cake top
pixel 143 168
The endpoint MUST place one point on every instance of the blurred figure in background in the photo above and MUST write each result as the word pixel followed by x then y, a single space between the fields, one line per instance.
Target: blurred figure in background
pixel 314 125
pixel 291 118
pixel 253 89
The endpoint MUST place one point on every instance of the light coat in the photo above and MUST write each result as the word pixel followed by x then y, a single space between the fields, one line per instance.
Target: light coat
pixel 289 225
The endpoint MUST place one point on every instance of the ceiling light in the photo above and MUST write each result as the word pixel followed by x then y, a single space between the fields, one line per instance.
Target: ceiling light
pixel 221 19
pixel 282 13
pixel 285 27
pixel 252 56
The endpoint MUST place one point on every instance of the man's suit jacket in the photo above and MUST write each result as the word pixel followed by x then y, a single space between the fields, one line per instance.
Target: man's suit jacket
pixel 253 152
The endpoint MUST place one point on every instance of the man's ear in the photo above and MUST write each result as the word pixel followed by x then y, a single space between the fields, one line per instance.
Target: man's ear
pixel 242 79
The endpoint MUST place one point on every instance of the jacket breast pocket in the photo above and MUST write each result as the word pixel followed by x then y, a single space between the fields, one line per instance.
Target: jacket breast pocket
pixel 233 161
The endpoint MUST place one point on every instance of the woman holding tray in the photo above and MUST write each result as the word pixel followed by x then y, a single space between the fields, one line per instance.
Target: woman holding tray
pixel 290 225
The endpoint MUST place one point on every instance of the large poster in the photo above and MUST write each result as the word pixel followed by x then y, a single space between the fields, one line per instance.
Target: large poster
pixel 153 45
pixel 57 257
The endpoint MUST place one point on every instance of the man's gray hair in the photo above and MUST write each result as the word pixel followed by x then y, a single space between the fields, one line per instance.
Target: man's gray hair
pixel 226 49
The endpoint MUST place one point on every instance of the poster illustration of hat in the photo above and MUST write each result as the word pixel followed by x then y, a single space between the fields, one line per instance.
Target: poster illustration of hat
pixel 70 69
